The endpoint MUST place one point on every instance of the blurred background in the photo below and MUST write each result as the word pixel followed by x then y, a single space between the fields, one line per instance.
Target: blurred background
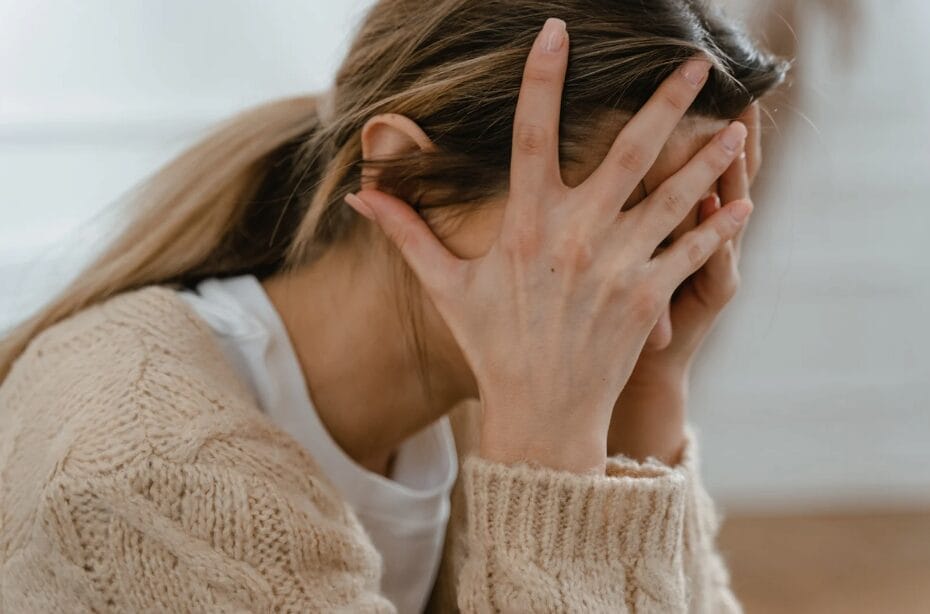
pixel 812 399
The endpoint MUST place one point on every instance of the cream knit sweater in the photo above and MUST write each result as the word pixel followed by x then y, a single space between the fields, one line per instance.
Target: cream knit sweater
pixel 137 474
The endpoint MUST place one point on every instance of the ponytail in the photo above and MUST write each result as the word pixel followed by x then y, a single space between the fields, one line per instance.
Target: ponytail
pixel 223 207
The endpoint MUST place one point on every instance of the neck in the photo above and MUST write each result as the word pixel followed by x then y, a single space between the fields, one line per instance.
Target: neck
pixel 354 348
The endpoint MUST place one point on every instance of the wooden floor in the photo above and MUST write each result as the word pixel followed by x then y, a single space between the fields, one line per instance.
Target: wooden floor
pixel 849 564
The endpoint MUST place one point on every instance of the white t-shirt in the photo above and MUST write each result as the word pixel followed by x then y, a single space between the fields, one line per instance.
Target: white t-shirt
pixel 406 515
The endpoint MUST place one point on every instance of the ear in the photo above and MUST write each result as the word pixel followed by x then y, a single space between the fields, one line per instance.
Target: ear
pixel 387 135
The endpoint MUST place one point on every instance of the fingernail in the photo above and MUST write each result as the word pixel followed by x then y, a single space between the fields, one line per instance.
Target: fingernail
pixel 359 205
pixel 553 33
pixel 694 71
pixel 740 210
pixel 733 137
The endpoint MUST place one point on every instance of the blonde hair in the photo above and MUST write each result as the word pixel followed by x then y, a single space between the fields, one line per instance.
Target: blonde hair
pixel 264 191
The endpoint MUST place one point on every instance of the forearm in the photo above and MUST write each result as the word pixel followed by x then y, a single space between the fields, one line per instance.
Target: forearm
pixel 653 426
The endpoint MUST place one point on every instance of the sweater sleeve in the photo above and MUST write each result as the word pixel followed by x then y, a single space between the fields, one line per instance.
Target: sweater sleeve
pixel 541 540
pixel 165 537
pixel 708 578
pixel 226 534
pixel 706 575
pixel 639 539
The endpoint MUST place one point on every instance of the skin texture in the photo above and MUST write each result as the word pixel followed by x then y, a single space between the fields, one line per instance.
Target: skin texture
pixel 649 417
pixel 351 341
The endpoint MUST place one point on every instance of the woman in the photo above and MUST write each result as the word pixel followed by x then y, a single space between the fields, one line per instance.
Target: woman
pixel 229 411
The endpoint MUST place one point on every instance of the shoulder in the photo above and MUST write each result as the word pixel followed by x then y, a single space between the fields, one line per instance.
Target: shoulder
pixel 134 377
pixel 128 444
pixel 119 336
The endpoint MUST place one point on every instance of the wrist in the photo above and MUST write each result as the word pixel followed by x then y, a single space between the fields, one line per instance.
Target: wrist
pixel 650 421
pixel 640 443
pixel 573 451
pixel 665 387
pixel 669 376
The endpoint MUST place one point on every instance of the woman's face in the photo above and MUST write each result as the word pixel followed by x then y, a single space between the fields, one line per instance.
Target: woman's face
pixel 475 233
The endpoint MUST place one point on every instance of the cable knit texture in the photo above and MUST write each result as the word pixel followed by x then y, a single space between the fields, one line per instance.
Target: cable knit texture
pixel 138 474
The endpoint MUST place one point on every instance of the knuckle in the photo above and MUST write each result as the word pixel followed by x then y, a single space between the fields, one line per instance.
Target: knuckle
pixel 574 252
pixel 632 158
pixel 400 238
pixel 730 228
pixel 719 233
pixel 729 257
pixel 673 203
pixel 718 160
pixel 695 252
pixel 521 245
pixel 530 138
pixel 645 302
pixel 536 74
pixel 676 99
pixel 624 281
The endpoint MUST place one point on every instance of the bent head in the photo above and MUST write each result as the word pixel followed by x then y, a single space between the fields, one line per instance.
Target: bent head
pixel 455 67
pixel 471 230
pixel 422 106
pixel 431 102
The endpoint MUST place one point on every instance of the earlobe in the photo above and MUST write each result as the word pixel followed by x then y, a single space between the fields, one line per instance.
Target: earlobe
pixel 388 135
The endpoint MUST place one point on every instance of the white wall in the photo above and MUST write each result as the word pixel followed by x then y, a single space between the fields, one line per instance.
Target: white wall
pixel 816 390
pixel 94 95
pixel 813 391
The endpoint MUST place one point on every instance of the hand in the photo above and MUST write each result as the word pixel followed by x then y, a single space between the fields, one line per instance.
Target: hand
pixel 649 416
pixel 570 283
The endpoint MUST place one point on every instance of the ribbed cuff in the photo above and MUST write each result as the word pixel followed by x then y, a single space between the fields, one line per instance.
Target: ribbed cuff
pixel 702 515
pixel 556 518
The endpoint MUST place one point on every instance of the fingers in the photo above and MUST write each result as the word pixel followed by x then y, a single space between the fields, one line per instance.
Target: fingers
pixel 638 145
pixel 709 206
pixel 535 157
pixel 429 259
pixel 734 182
pixel 690 252
pixel 718 279
pixel 668 204
pixel 752 117
pixel 734 185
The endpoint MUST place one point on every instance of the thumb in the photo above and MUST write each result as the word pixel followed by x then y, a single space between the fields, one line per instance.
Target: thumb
pixel 432 263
